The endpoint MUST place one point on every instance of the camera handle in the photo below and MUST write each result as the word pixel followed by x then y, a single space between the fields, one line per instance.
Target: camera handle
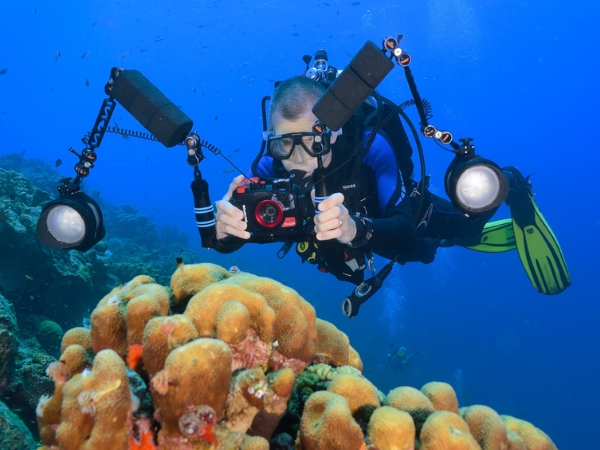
pixel 322 190
pixel 203 209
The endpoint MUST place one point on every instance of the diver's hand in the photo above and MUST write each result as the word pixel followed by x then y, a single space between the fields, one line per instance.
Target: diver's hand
pixel 229 218
pixel 334 222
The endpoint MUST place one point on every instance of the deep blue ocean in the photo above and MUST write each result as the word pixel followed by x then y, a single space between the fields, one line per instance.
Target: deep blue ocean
pixel 520 77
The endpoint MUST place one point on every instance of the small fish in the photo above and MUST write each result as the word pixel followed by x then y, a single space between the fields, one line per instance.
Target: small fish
pixel 57 55
pixel 124 135
pixel 234 269
pixel 202 96
pixel 84 55
pixel 180 264
pixel 146 159
pixel 158 39
pixel 237 149
pixel 355 3
pixel 216 117
pixel 251 82
pixel 124 55
pixel 194 89
pixel 86 82
pixel 94 24
pixel 3 70
pixel 141 50
pixel 58 162
pixel 246 63
pixel 28 277
pixel 23 152
pixel 204 46
pixel 295 34
pixel 227 170
pixel 35 11
pixel 326 4
pixel 202 25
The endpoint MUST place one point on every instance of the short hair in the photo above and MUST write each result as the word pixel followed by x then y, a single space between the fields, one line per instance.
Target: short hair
pixel 294 96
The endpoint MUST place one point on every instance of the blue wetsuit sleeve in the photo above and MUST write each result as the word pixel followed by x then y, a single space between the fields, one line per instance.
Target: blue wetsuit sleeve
pixel 394 233
pixel 390 185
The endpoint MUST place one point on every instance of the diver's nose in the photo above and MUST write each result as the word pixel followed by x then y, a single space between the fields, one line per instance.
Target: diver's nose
pixel 298 155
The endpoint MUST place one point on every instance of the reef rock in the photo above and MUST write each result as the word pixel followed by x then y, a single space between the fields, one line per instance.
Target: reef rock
pixel 14 435
pixel 8 340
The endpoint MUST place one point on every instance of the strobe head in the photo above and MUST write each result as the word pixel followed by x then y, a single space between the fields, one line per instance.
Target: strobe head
pixel 475 185
pixel 72 222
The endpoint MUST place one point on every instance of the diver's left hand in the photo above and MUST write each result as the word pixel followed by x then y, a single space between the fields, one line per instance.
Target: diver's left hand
pixel 334 222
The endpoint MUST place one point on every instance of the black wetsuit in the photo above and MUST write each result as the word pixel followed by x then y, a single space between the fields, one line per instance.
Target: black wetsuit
pixel 380 187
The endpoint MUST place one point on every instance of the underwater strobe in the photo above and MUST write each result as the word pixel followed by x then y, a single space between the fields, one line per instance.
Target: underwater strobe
pixel 474 184
pixel 74 221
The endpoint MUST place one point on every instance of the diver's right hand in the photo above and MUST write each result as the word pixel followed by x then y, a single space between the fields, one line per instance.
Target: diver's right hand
pixel 229 218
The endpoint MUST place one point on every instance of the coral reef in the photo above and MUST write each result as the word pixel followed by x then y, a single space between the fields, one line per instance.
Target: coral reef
pixel 8 340
pixel 14 435
pixel 228 374
pixel 52 282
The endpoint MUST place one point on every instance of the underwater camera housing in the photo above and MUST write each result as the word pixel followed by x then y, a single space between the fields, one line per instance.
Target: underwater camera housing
pixel 275 211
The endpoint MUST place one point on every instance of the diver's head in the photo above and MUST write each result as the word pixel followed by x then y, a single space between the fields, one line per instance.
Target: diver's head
pixel 401 352
pixel 290 112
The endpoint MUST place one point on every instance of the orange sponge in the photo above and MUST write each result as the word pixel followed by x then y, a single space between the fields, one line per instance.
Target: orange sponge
pixel 486 427
pixel 391 429
pixel 409 399
pixel 75 358
pixel 357 391
pixel 75 426
pixel 445 430
pixel 77 335
pixel 205 307
pixel 442 396
pixel 192 278
pixel 354 359
pixel 140 311
pixel 534 438
pixel 203 362
pixel 161 336
pixel 109 330
pixel 327 424
pixel 104 396
pixel 294 325
pixel 232 322
pixel 333 345
pixel 143 303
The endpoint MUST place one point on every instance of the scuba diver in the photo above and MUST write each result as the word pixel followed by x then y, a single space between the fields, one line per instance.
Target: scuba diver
pixel 400 359
pixel 374 205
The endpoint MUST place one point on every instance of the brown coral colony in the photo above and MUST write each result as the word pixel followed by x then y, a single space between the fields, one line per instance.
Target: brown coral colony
pixel 221 374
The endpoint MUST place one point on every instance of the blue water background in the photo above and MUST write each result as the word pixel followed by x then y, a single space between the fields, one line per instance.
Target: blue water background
pixel 521 77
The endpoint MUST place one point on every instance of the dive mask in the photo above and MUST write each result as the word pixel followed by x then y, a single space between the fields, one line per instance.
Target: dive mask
pixel 316 142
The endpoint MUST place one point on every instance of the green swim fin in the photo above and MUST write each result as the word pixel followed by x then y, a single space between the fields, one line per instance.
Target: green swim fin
pixel 538 248
pixel 496 237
